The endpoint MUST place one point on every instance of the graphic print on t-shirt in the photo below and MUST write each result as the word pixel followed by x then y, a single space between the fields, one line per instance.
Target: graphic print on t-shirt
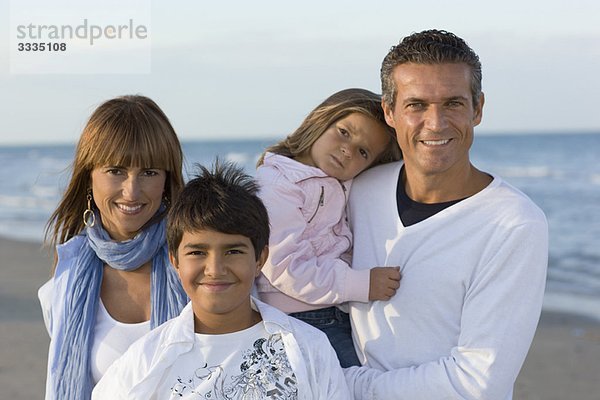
pixel 264 373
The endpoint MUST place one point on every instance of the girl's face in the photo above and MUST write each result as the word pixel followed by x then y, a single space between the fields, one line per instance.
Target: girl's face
pixel 127 197
pixel 348 146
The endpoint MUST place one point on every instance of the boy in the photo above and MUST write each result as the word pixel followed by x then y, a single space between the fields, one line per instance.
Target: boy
pixel 224 344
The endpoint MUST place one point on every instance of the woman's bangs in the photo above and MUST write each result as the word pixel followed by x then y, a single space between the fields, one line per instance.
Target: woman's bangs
pixel 137 149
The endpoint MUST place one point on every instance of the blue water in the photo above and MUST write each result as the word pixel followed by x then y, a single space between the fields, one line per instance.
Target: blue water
pixel 560 172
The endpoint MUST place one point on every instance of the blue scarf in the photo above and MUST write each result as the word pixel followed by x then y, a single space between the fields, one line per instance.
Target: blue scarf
pixel 73 377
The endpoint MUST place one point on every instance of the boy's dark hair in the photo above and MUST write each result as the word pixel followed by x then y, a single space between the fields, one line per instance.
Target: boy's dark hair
pixel 223 200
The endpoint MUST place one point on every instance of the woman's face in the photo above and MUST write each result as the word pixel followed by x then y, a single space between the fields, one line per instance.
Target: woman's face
pixel 127 197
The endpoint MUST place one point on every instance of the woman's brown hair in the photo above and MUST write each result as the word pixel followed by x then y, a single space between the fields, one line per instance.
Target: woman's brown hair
pixel 127 131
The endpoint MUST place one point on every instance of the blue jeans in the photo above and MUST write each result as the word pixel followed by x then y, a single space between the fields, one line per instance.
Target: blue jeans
pixel 336 325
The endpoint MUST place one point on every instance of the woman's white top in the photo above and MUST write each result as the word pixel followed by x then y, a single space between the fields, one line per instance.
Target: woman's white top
pixel 111 339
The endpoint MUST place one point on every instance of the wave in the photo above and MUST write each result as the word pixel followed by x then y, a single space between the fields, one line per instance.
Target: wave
pixel 45 191
pixel 32 232
pixel 528 172
pixel 240 158
pixel 26 202
pixel 571 303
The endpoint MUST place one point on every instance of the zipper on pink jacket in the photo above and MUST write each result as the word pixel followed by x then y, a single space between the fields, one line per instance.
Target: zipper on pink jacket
pixel 321 201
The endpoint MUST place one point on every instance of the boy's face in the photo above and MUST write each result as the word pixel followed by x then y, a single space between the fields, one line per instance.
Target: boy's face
pixel 217 271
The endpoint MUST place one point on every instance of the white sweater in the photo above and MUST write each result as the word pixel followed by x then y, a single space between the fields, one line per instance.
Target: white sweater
pixel 473 279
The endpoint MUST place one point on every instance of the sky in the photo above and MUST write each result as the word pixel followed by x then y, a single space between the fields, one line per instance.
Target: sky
pixel 254 69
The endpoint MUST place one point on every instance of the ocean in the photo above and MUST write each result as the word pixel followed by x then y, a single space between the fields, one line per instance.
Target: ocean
pixel 560 172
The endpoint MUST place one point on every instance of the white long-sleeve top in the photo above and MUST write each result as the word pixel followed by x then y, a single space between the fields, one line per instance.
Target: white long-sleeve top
pixel 473 279
pixel 309 236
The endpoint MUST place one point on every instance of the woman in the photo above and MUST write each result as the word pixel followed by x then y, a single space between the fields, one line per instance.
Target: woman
pixel 112 280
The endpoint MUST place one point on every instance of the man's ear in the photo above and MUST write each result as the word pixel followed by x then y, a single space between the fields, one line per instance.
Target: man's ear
pixel 262 259
pixel 478 112
pixel 388 113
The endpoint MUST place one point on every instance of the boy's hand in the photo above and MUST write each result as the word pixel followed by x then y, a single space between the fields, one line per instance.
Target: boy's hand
pixel 384 283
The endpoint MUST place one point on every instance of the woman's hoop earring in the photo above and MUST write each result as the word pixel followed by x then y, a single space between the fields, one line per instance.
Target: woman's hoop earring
pixel 89 213
pixel 166 201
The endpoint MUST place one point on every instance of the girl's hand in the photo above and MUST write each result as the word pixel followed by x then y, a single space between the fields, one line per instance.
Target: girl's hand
pixel 384 283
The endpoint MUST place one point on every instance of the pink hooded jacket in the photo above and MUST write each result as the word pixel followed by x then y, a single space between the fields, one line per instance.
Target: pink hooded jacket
pixel 309 237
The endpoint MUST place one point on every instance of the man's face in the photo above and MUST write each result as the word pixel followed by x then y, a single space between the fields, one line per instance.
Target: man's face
pixel 434 118
pixel 217 271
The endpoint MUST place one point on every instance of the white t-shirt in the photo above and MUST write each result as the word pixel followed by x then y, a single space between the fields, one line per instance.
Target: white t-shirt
pixel 247 364
pixel 111 339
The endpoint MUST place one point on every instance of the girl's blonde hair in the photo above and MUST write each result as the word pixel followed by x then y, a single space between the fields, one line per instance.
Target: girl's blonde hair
pixel 334 108
pixel 130 131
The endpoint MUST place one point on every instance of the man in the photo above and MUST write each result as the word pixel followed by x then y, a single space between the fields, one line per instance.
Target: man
pixel 472 249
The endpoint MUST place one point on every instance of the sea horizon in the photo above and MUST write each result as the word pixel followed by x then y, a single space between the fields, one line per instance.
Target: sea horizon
pixel 212 139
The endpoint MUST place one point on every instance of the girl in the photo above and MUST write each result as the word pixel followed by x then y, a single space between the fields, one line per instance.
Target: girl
pixel 304 183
